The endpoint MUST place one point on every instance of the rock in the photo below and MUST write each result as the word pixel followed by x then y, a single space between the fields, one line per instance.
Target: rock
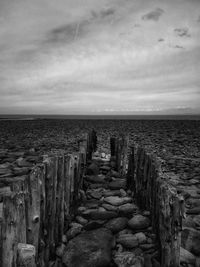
pixel 109 207
pixel 103 215
pixel 190 240
pixel 89 249
pixel 94 224
pixel 93 169
pixel 195 210
pixel 116 224
pixel 73 231
pixel 114 174
pixel 60 250
pixel 128 240
pixel 128 259
pixel 117 184
pixel 21 162
pixel 123 192
pixel 139 222
pixel 105 168
pixel 186 256
pixel 81 220
pixel 127 208
pixel 117 201
pixel 112 193
pixel 96 179
pixel 141 237
pixel 95 194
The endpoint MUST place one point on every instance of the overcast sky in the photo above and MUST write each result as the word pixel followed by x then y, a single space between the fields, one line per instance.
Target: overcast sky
pixel 99 56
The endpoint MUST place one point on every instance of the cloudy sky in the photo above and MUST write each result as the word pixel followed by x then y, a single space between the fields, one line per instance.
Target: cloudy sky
pixel 98 57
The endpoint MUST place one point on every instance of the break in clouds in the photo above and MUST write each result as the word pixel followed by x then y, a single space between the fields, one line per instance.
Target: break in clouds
pixel 97 57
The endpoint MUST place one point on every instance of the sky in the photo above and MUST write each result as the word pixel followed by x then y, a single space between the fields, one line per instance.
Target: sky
pixel 99 57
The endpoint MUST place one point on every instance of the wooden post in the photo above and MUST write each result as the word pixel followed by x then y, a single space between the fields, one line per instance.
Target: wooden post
pixel 13 228
pixel 25 255
pixel 50 217
pixel 33 207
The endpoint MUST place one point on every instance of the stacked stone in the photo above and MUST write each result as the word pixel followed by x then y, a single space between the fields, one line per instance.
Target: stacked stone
pixel 108 229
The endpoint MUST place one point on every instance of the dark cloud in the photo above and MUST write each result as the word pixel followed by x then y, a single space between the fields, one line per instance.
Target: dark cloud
pixel 161 40
pixel 182 32
pixel 107 12
pixel 153 15
pixel 67 33
pixel 179 47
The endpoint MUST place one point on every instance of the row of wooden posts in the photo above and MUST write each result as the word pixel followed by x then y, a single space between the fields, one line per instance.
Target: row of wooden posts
pixel 36 207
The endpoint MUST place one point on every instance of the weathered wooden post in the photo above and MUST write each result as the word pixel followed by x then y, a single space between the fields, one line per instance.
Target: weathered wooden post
pixel 26 255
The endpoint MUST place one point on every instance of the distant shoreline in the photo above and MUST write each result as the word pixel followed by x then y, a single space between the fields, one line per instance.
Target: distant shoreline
pixel 99 117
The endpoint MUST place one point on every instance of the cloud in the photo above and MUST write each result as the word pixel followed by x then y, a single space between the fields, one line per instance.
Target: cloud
pixel 161 40
pixel 107 12
pixel 153 15
pixel 198 20
pixel 179 46
pixel 67 33
pixel 182 32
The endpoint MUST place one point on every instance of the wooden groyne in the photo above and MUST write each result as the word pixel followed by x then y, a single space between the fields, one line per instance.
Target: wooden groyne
pixel 35 208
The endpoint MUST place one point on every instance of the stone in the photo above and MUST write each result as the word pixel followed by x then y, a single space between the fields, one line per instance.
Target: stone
pixel 96 179
pixel 93 169
pixel 123 192
pixel 114 174
pixel 186 256
pixel 127 208
pixel 60 250
pixel 128 240
pixel 89 249
pixel 21 162
pixel 141 237
pixel 112 193
pixel 128 259
pixel 103 215
pixel 94 224
pixel 117 201
pixel 117 184
pixel 105 168
pixel 190 240
pixel 109 207
pixel 74 231
pixel 138 222
pixel 116 224
pixel 81 220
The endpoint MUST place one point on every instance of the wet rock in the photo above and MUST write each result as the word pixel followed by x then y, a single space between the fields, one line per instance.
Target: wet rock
pixel 94 224
pixel 92 248
pixel 96 179
pixel 186 256
pixel 110 207
pixel 190 240
pixel 141 237
pixel 112 193
pixel 116 224
pixel 128 240
pixel 117 184
pixel 139 222
pixel 128 259
pixel 102 215
pixel 81 220
pixel 127 208
pixel 117 201
pixel 74 230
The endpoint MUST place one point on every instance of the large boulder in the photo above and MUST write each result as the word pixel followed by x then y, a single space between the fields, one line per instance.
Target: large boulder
pixel 139 222
pixel 92 248
pixel 190 240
